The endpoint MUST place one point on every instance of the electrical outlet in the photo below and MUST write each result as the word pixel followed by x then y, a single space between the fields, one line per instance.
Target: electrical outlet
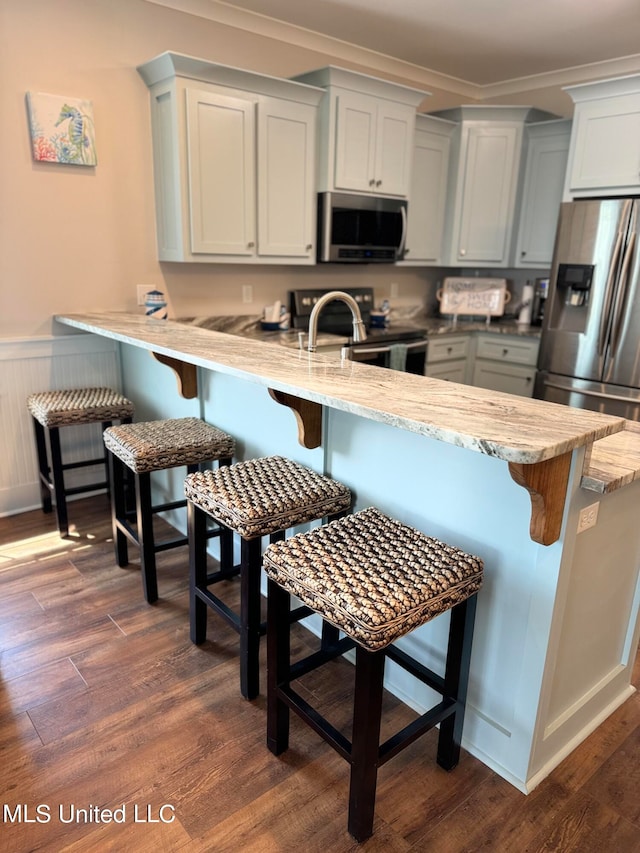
pixel 588 517
pixel 142 290
pixel 394 290
pixel 247 293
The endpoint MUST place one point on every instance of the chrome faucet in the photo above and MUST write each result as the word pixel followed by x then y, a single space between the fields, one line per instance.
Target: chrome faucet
pixel 359 331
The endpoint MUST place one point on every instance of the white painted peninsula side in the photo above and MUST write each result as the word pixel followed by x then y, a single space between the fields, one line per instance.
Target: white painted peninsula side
pixel 503 477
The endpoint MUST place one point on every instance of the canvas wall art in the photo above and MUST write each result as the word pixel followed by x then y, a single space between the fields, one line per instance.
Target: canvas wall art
pixel 61 129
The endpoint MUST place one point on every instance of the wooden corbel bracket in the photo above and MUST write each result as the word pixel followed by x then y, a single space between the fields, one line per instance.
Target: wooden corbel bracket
pixel 308 415
pixel 186 374
pixel 547 484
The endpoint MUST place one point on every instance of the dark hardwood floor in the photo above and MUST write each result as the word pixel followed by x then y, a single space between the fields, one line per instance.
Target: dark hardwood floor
pixel 106 704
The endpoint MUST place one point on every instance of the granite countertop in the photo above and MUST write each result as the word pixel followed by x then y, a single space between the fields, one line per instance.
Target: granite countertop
pixel 614 461
pixel 515 429
pixel 248 326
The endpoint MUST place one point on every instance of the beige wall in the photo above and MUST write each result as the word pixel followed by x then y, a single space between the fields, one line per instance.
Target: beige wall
pixel 80 239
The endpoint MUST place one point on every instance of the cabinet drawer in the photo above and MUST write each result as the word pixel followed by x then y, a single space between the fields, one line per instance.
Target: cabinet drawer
pixel 452 371
pixel 447 348
pixel 507 378
pixel 513 350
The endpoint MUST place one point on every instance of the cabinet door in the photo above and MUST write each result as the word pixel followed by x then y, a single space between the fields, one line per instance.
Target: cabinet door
pixel 393 148
pixel 606 148
pixel 220 154
pixel 286 179
pixel 428 196
pixel 488 194
pixel 542 195
pixel 355 142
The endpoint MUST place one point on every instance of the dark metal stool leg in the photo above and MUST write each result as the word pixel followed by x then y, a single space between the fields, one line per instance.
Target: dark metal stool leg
pixel 197 523
pixel 57 475
pixel 456 680
pixel 43 465
pixel 250 568
pixel 367 711
pixel 278 663
pixel 145 537
pixel 117 474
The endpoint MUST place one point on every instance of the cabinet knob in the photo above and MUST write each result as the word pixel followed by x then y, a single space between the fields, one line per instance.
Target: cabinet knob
pixel 522 254
pixel 372 182
pixel 505 352
pixel 378 183
pixel 463 252
pixel 250 245
pixel 308 247
pixel 449 349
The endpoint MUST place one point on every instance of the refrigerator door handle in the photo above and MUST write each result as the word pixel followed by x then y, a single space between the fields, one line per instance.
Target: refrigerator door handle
pixel 609 290
pixel 624 285
pixel 570 389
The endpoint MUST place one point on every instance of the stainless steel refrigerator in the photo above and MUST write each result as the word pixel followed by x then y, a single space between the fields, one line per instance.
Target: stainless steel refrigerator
pixel 590 345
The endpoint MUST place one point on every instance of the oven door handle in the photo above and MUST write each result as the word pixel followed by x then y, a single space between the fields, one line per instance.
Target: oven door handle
pixel 386 348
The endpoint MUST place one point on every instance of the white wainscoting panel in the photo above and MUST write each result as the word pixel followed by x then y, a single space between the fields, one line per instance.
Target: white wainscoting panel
pixel 29 365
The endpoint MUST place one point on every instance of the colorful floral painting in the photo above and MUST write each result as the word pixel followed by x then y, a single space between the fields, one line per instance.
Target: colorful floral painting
pixel 61 129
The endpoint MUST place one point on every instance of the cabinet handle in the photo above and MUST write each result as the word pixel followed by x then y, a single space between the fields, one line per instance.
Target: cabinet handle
pixel 308 247
pixel 449 349
pixel 372 182
pixel 505 353
pixel 378 183
pixel 463 252
pixel 522 254
pixel 250 245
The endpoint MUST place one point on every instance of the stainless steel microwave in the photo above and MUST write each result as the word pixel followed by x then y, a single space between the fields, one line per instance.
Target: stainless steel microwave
pixel 354 229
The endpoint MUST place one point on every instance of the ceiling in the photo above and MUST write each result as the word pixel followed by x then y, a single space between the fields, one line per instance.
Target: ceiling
pixel 481 42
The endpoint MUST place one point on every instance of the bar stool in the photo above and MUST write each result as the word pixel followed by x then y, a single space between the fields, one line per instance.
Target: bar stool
pixel 51 410
pixel 260 497
pixel 376 580
pixel 143 448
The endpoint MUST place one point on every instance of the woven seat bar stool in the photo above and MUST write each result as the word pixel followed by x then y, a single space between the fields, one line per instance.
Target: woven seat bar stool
pixel 151 446
pixel 52 410
pixel 256 498
pixel 376 580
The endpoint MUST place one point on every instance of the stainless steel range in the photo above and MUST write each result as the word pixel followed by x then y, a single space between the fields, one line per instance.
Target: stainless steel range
pixel 398 347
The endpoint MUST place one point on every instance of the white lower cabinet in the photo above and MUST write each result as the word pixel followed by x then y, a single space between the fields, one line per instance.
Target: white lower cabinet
pixel 447 357
pixel 234 163
pixel 505 363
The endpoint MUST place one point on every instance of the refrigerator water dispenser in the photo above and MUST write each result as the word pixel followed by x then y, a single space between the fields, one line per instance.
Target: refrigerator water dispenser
pixel 573 288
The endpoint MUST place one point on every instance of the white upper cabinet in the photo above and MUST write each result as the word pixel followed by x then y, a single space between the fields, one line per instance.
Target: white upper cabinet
pixel 234 163
pixel 547 148
pixel 604 157
pixel 483 184
pixel 220 155
pixel 366 132
pixel 428 194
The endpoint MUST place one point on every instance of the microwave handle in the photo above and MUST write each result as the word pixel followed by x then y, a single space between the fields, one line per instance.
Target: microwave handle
pixel 403 239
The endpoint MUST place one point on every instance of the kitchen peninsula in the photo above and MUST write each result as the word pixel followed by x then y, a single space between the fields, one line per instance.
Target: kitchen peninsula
pixel 500 476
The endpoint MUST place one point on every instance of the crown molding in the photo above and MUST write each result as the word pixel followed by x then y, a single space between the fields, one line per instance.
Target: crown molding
pixel 253 22
pixel 257 24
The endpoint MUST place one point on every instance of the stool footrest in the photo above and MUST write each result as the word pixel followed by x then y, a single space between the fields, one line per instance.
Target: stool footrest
pixel 317 659
pixel 230 616
pixel 318 723
pixel 84 463
pixel 396 743
pixel 413 667
pixel 82 490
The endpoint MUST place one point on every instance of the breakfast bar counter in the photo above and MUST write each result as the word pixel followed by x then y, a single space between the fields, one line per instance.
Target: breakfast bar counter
pixel 540 491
